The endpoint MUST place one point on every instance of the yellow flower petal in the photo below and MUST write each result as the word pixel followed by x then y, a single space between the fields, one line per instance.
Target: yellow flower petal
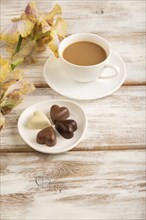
pixel 58 32
pixel 24 27
pixel 3 61
pixel 31 9
pixel 10 35
pixel 45 20
pixel 2 121
pixel 56 10
pixel 41 43
pixel 13 88
pixel 25 50
pixel 8 76
pixel 4 69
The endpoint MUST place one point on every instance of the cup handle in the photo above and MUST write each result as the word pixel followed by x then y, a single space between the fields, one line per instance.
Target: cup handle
pixel 114 67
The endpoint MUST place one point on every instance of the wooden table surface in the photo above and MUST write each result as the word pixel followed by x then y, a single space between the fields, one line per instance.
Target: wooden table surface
pixel 103 177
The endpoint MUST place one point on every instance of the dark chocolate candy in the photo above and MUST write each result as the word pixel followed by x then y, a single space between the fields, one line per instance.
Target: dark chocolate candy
pixel 47 136
pixel 66 128
pixel 58 113
pixel 71 122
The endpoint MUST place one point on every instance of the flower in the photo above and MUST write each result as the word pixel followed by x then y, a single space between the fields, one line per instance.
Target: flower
pixel 21 26
pixel 32 31
pixel 13 88
pixel 58 32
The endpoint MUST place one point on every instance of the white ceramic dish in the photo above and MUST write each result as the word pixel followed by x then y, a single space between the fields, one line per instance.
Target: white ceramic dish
pixel 60 82
pixel 29 136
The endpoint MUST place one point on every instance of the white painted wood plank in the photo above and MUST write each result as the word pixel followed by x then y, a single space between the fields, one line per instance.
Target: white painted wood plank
pixel 115 122
pixel 77 185
pixel 112 16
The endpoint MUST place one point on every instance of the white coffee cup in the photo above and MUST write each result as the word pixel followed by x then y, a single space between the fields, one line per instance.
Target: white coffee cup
pixel 92 72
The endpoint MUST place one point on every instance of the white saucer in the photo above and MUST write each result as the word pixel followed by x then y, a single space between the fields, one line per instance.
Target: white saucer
pixel 29 136
pixel 60 82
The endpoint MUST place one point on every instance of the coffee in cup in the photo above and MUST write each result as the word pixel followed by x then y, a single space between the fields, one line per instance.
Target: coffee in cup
pixel 84 57
pixel 84 53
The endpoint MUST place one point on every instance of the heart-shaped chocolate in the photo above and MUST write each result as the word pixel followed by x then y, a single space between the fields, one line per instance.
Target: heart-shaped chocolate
pixel 47 136
pixel 71 122
pixel 58 113
pixel 38 121
pixel 66 128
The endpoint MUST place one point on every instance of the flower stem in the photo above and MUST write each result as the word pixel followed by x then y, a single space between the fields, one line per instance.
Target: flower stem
pixel 18 44
pixel 16 63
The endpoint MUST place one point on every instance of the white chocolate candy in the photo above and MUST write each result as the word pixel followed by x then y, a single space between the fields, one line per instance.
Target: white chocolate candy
pixel 38 121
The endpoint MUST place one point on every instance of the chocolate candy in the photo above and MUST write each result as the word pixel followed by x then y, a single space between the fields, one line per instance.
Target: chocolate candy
pixel 69 122
pixel 66 128
pixel 38 121
pixel 58 113
pixel 47 136
pixel 72 122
